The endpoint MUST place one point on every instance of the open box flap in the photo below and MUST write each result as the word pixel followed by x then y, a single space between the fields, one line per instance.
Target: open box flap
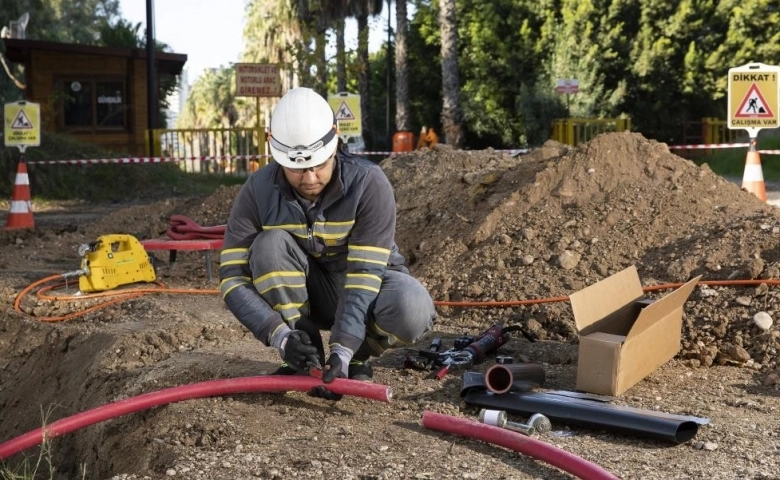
pixel 601 299
pixel 661 308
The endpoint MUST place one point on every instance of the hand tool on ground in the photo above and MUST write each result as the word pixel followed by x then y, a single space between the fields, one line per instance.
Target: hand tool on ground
pixel 476 352
pixel 421 362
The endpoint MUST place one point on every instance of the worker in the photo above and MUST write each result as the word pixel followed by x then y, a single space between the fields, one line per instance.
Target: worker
pixel 310 246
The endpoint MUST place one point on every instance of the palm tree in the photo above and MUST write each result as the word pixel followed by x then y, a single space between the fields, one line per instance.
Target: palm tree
pixel 338 12
pixel 403 120
pixel 273 34
pixel 452 112
pixel 365 8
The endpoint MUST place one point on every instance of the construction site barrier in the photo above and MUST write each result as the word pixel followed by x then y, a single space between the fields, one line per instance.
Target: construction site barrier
pixel 573 131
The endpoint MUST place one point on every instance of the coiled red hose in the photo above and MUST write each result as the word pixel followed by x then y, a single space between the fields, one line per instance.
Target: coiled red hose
pixel 213 388
pixel 539 450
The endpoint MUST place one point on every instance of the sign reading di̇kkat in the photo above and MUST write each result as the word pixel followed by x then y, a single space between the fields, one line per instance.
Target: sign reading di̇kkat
pixel 753 94
pixel 258 80
pixel 22 125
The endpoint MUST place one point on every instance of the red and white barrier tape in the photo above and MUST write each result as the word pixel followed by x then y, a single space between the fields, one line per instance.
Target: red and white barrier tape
pixel 145 160
pixel 129 160
pixel 708 146
pixel 513 152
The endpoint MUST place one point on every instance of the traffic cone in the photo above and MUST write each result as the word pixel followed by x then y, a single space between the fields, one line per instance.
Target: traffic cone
pixel 753 178
pixel 21 215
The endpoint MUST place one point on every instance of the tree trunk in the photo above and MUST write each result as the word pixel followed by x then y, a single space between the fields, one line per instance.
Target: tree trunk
pixel 363 83
pixel 452 112
pixel 322 63
pixel 403 120
pixel 341 57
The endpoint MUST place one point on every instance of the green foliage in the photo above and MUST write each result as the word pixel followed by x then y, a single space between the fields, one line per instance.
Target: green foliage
pixel 212 102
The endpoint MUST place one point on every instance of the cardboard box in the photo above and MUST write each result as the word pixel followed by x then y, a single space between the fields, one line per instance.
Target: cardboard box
pixel 624 337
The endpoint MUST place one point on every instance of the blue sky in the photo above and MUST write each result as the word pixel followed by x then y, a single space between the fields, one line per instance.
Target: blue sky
pixel 210 37
pixel 210 32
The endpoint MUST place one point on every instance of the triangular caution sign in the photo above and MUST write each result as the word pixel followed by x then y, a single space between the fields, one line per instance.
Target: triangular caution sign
pixel 21 122
pixel 344 112
pixel 754 105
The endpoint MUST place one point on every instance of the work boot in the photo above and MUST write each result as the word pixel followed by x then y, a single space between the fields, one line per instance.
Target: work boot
pixel 361 370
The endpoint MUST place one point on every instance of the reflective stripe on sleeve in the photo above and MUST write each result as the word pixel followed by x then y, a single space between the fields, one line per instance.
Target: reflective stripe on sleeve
pixel 374 255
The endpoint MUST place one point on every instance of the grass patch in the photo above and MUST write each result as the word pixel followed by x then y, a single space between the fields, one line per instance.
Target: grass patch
pixel 730 162
pixel 100 182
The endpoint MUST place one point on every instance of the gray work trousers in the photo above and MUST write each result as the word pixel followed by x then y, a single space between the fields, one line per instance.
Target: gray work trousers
pixel 401 313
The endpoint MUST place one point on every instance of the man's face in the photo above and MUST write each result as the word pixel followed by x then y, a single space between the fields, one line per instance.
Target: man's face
pixel 310 182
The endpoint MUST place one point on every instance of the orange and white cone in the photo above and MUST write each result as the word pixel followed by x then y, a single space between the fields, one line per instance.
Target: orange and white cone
pixel 753 178
pixel 20 215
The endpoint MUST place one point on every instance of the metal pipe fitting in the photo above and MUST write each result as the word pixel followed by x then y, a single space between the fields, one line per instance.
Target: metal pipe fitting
pixel 498 418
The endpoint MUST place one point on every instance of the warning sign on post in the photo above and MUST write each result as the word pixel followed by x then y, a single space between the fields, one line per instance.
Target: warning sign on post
pixel 754 92
pixel 346 106
pixel 22 124
pixel 258 80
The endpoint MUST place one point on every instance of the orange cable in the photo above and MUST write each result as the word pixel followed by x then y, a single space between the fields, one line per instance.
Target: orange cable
pixel 138 292
pixel 119 296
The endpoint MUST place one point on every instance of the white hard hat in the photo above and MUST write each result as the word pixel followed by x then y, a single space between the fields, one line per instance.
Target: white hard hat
pixel 304 132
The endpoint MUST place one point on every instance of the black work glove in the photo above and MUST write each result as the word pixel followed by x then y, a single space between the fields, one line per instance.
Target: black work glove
pixel 331 371
pixel 334 368
pixel 299 351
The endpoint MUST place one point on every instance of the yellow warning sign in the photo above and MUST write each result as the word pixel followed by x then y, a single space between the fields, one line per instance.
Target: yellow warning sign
pixel 344 112
pixel 754 92
pixel 346 106
pixel 22 125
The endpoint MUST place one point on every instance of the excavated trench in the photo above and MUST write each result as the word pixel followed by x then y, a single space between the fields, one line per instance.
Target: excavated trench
pixel 54 372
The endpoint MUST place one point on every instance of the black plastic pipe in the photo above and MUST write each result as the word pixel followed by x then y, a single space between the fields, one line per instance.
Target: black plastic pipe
pixel 591 414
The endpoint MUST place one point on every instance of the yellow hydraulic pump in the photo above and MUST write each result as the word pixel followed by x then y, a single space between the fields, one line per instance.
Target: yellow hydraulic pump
pixel 113 260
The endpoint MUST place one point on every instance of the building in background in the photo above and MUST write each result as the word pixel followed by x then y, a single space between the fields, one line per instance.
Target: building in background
pixel 94 94
pixel 177 100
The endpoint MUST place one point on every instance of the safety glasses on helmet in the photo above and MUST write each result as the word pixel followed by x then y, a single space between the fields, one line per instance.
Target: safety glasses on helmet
pixel 301 154
pixel 315 169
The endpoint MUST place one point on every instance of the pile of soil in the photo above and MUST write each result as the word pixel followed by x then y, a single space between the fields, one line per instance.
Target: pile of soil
pixel 475 226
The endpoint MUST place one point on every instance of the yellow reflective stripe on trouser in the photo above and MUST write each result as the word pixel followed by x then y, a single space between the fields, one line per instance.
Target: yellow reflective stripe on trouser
pixel 286 293
pixel 234 256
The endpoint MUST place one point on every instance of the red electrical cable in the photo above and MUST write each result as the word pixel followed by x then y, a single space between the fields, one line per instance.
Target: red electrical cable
pixel 518 442
pixel 372 391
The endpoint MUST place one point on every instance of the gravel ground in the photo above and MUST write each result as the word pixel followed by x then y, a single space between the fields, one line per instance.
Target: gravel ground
pixel 475 226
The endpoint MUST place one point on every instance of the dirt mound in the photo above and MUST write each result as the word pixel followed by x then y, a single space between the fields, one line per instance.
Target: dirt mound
pixel 481 226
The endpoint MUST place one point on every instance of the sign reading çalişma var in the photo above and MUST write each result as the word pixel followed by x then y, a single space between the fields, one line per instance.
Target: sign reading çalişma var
pixel 22 124
pixel 346 106
pixel 258 80
pixel 754 92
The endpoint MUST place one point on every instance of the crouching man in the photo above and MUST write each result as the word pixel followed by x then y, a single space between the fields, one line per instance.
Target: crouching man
pixel 310 246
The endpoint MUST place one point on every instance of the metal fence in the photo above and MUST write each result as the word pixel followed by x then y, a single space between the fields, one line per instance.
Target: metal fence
pixel 573 131
pixel 236 151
